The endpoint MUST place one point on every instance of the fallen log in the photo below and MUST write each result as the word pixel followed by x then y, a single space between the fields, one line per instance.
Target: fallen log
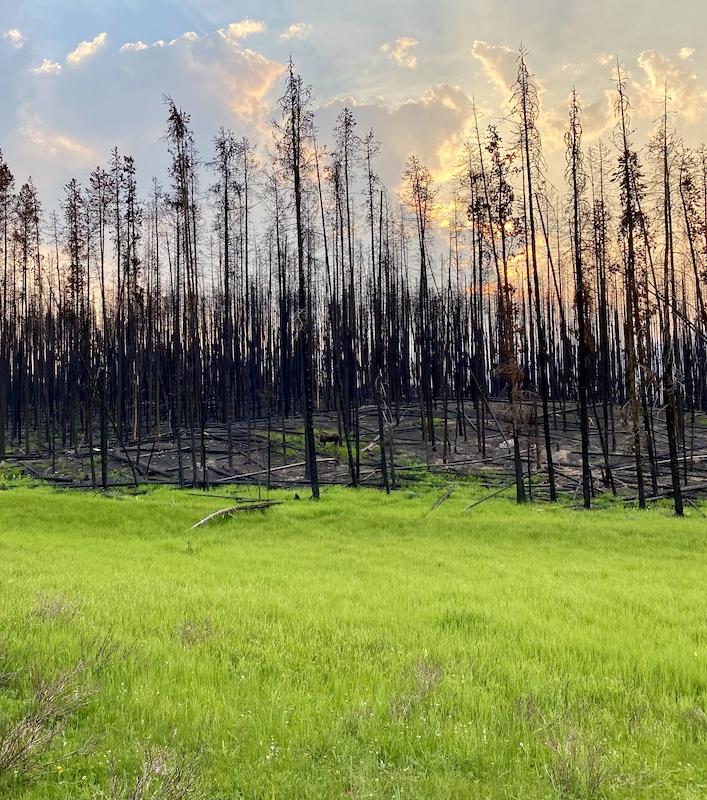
pixel 231 510
pixel 438 502
pixel 237 478
pixel 489 496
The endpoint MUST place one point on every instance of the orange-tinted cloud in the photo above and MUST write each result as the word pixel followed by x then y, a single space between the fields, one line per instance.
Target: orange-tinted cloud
pixel 499 63
pixel 399 51
pixel 685 90
pixel 86 50
pixel 298 30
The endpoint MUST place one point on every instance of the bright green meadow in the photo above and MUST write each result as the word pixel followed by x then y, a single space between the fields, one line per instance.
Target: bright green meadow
pixel 361 647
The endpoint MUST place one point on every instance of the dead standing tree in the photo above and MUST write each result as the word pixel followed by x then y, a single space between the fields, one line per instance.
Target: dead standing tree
pixel 420 196
pixel 577 181
pixel 666 147
pixel 225 145
pixel 295 134
pixel 625 177
pixel 498 201
pixel 526 100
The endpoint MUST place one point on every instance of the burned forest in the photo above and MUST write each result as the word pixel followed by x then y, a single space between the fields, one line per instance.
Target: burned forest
pixel 272 313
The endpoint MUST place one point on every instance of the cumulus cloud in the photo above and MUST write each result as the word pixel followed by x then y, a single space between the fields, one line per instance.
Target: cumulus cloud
pixel 432 125
pixel 15 37
pixel 499 64
pixel 686 93
pixel 240 30
pixel 298 30
pixel 217 60
pixel 66 119
pixel 87 49
pixel 48 67
pixel 133 47
pixel 686 52
pixel 399 51
pixel 189 36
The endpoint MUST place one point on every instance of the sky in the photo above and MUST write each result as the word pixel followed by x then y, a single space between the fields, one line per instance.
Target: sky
pixel 78 77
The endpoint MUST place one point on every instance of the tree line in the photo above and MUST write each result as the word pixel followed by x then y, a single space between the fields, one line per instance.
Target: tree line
pixel 269 284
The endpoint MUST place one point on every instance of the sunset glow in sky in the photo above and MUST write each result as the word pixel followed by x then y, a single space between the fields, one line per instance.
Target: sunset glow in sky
pixel 79 76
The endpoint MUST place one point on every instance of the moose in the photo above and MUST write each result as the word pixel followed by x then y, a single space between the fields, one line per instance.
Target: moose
pixel 330 438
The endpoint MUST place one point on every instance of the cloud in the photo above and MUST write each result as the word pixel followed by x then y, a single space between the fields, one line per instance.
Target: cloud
pixel 686 94
pixel 189 36
pixel 15 37
pixel 597 118
pixel 399 51
pixel 572 68
pixel 57 144
pixel 686 52
pixel 87 49
pixel 216 60
pixel 240 30
pixel 432 125
pixel 47 142
pixel 133 47
pixel 299 30
pixel 499 64
pixel 65 119
pixel 48 67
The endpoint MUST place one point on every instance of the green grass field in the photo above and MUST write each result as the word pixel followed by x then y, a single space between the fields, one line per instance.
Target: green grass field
pixel 362 647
